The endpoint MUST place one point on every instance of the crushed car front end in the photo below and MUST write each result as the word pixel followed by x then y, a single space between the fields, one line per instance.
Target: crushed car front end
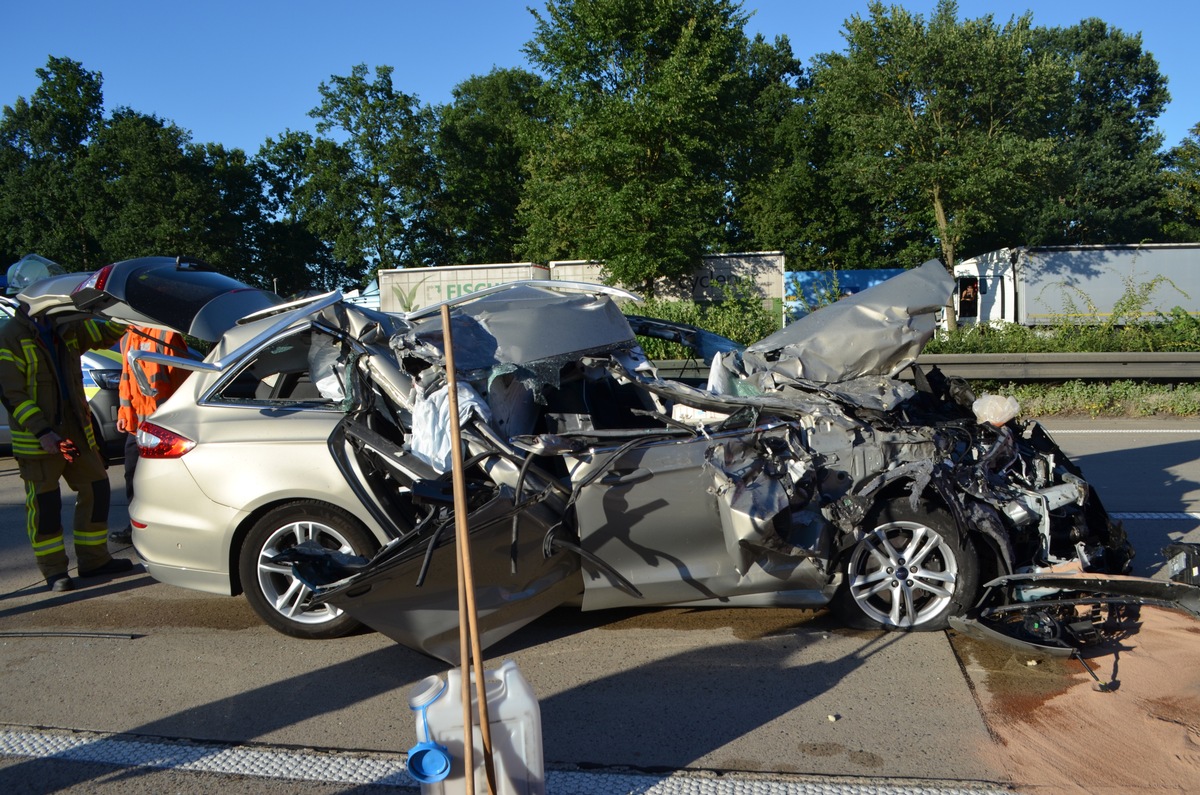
pixel 592 477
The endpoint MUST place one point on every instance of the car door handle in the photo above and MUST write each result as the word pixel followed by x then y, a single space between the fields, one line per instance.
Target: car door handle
pixel 625 478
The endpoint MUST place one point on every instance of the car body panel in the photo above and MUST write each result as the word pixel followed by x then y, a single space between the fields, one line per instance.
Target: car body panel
pixel 869 333
pixel 507 597
pixel 687 537
pixel 277 446
pixel 101 385
pixel 182 537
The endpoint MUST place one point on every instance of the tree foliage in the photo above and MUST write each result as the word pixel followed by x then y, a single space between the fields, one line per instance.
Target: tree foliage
pixel 298 258
pixel 940 123
pixel 643 103
pixel 1107 185
pixel 478 146
pixel 85 190
pixel 647 134
pixel 1181 203
pixel 364 184
pixel 43 146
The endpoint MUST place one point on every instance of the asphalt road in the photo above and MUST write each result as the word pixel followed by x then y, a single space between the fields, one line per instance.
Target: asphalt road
pixel 757 691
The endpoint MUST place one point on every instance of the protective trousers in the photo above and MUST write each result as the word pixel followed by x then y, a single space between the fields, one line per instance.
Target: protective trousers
pixel 43 509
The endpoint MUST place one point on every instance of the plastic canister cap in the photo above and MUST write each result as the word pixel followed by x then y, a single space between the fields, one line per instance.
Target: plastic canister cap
pixel 426 691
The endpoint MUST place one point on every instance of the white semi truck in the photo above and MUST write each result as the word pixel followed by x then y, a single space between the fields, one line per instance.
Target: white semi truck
pixel 1035 286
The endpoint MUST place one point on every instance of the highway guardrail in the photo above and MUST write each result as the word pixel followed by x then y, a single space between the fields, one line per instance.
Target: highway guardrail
pixel 1184 366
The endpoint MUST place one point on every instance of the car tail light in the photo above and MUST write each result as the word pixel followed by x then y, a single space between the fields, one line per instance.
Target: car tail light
pixel 96 281
pixel 155 441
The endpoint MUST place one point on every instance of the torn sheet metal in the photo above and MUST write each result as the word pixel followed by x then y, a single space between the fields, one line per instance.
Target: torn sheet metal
pixel 683 522
pixel 390 596
pixel 1182 596
pixel 758 483
pixel 599 475
pixel 1056 613
pixel 519 326
pixel 879 331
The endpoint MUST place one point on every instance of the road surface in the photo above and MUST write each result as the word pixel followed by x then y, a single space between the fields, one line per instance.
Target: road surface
pixel 130 669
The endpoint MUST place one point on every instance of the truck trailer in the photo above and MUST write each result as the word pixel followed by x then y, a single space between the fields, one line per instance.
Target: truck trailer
pixel 409 289
pixel 759 273
pixel 1050 285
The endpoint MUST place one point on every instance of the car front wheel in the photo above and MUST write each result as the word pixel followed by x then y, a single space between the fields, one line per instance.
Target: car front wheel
pixel 910 570
pixel 274 592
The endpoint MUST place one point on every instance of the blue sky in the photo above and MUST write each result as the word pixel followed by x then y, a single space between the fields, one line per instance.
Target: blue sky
pixel 238 71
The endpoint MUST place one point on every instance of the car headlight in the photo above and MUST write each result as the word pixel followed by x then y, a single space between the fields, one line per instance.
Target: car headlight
pixel 105 379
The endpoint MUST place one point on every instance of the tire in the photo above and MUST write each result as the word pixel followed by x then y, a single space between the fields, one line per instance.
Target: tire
pixel 942 571
pixel 273 591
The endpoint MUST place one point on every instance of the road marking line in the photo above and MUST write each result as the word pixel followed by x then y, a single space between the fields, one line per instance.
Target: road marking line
pixel 1157 515
pixel 1064 431
pixel 389 770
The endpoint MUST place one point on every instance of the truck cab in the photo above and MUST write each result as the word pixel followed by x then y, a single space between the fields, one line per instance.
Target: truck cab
pixel 985 287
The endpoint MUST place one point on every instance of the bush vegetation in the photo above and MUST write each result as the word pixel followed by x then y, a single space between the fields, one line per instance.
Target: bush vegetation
pixel 742 318
pixel 1100 398
pixel 1175 331
pixel 1129 328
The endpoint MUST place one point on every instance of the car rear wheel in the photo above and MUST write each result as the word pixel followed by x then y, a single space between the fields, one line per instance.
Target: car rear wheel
pixel 273 591
pixel 911 570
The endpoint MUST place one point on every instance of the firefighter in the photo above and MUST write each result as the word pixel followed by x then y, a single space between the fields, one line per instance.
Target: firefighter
pixel 41 384
pixel 136 407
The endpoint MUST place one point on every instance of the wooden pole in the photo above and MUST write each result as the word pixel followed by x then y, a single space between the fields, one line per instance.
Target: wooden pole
pixel 466 587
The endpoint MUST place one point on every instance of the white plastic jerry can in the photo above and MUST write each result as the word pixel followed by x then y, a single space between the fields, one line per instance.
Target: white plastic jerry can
pixel 516 724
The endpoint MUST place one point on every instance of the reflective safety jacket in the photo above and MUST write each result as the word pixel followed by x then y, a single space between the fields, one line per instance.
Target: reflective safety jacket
pixel 135 406
pixel 41 379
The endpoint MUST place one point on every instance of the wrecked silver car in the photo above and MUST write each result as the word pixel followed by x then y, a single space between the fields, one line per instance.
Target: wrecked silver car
pixel 806 472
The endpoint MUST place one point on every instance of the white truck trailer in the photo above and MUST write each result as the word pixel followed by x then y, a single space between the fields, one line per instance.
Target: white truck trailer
pixel 759 272
pixel 406 289
pixel 1035 286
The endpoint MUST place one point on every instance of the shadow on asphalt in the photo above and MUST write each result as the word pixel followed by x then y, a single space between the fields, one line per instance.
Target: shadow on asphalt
pixel 716 694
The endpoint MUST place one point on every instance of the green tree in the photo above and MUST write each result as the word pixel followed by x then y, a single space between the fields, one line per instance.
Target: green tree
pixel 765 172
pixel 43 142
pixel 478 147
pixel 789 195
pixel 1108 186
pixel 143 188
pixel 644 101
pixel 940 124
pixel 86 190
pixel 233 229
pixel 364 186
pixel 295 257
pixel 1182 191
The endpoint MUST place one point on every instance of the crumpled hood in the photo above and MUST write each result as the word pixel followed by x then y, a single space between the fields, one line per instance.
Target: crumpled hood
pixel 523 325
pixel 879 331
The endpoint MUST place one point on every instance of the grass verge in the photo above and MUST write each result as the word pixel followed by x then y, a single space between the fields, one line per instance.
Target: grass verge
pixel 1100 399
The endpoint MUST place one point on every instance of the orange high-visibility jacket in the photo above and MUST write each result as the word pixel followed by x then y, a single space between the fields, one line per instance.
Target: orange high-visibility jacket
pixel 135 406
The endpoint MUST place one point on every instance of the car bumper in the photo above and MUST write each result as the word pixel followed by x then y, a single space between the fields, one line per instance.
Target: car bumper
pixel 182 537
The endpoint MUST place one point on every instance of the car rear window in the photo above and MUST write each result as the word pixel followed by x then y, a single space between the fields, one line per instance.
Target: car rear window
pixel 177 293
